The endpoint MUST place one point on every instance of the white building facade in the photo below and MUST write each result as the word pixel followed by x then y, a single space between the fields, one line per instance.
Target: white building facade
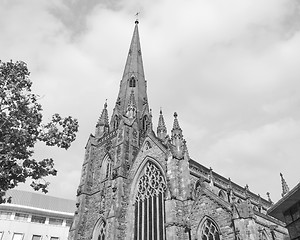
pixel 32 216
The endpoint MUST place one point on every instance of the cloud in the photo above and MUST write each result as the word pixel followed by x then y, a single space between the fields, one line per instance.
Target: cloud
pixel 230 70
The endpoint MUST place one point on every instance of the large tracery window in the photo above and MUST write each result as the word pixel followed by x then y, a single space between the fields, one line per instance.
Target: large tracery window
pixel 209 231
pixel 150 205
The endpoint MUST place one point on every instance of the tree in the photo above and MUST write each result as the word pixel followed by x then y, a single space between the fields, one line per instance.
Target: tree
pixel 21 128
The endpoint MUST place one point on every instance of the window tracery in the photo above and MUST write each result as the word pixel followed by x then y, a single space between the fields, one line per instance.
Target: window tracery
pixel 99 231
pixel 209 231
pixel 150 205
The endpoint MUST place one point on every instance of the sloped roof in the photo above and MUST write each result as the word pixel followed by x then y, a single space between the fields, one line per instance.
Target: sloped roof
pixel 41 201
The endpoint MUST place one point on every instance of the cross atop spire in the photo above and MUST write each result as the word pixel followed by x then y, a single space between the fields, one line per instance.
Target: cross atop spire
pixel 285 187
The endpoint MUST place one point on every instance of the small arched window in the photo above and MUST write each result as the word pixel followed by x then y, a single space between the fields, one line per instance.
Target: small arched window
pixel 223 195
pixel 209 230
pixel 145 123
pixel 132 82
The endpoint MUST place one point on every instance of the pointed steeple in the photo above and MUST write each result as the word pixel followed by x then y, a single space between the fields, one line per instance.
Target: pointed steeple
pixel 133 79
pixel 161 127
pixel 285 187
pixel 102 125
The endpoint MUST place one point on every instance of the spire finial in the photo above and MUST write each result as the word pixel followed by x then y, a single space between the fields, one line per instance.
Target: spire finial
pixel 285 187
pixel 105 104
pixel 137 18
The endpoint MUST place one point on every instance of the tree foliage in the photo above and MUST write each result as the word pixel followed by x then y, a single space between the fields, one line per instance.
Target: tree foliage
pixel 21 128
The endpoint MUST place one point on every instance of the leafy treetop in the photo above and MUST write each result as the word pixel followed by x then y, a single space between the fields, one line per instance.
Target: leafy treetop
pixel 21 128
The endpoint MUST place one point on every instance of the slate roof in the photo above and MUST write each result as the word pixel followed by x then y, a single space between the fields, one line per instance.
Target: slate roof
pixel 41 201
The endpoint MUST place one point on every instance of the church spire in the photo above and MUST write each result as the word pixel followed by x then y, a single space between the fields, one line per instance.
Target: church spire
pixel 161 127
pixel 285 187
pixel 133 79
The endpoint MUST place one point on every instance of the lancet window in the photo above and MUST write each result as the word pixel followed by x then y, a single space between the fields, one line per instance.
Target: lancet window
pixel 145 123
pixel 149 205
pixel 116 122
pixel 209 231
pixel 106 168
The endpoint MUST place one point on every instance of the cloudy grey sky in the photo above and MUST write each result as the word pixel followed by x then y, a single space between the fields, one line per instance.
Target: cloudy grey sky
pixel 230 69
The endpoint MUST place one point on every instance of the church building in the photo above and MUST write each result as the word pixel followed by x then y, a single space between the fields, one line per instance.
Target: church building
pixel 139 183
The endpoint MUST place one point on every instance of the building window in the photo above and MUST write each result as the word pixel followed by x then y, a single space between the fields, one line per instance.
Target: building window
pixel 209 231
pixel 18 236
pixel 5 215
pixel 116 122
pixel 150 205
pixel 99 230
pixel 223 195
pixel 145 123
pixel 55 221
pixel 54 238
pixel 38 219
pixel 132 82
pixel 21 216
pixel 36 237
pixel 69 222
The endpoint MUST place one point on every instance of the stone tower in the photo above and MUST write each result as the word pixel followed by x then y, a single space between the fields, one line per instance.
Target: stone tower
pixel 138 185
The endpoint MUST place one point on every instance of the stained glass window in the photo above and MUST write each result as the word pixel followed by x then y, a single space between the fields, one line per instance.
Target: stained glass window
pixel 209 231
pixel 150 205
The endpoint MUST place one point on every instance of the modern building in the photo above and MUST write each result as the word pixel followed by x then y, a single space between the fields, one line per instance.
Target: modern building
pixel 287 209
pixel 33 216
pixel 137 184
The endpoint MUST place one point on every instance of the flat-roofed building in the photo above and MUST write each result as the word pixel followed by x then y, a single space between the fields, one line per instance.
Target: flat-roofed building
pixel 33 216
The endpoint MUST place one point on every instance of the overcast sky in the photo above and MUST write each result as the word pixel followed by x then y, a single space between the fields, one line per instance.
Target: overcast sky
pixel 230 69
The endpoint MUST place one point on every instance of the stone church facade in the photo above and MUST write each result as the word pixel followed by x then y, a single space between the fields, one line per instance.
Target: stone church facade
pixel 141 184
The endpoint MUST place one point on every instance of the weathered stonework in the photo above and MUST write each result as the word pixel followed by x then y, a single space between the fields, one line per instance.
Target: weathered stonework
pixel 120 197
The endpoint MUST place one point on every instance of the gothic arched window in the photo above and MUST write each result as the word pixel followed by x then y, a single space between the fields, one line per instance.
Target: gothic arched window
pixel 99 230
pixel 150 205
pixel 132 82
pixel 209 230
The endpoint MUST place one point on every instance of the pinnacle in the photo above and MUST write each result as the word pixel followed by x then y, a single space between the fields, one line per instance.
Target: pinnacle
pixel 285 187
pixel 103 120
pixel 176 123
